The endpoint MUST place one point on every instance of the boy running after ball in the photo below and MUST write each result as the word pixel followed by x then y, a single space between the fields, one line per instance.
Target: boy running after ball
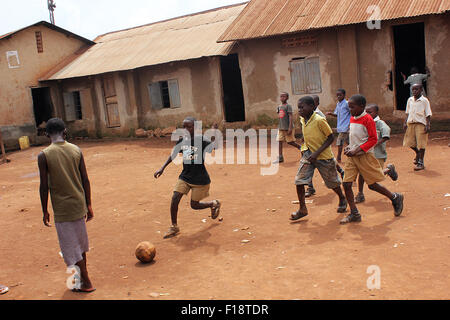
pixel 383 134
pixel 194 176
pixel 318 137
pixel 63 172
pixel 361 159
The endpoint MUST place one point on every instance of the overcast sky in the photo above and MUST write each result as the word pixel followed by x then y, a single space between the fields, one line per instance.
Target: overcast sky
pixel 90 18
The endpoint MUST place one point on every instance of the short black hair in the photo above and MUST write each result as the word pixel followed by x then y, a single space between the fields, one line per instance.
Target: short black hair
pixel 414 70
pixel 373 105
pixel 341 90
pixel 359 99
pixel 284 93
pixel 315 97
pixel 54 126
pixel 307 100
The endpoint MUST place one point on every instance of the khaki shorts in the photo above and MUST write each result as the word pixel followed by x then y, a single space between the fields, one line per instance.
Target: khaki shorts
pixel 327 169
pixel 199 192
pixel 381 161
pixel 342 138
pixel 415 136
pixel 366 165
pixel 283 136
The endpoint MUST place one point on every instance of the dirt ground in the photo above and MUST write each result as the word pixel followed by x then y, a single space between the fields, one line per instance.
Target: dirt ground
pixel 312 259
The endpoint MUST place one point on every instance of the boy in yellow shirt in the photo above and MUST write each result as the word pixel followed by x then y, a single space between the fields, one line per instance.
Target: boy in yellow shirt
pixel 318 137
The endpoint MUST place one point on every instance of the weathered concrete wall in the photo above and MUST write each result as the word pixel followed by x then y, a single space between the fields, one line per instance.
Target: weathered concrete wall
pixel 16 104
pixel 355 58
pixel 265 72
pixel 199 88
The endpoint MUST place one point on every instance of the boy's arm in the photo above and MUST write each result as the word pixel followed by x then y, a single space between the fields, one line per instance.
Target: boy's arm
pixel 168 161
pixel 428 126
pixel 313 157
pixel 291 122
pixel 43 187
pixel 87 188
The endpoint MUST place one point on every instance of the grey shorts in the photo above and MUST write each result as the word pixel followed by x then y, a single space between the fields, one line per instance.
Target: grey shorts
pixel 327 169
pixel 342 138
pixel 73 240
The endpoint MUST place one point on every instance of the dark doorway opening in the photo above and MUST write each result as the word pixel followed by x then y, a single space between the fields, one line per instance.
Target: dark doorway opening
pixel 233 96
pixel 409 46
pixel 42 106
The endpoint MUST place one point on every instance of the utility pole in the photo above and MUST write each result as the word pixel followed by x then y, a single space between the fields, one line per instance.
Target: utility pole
pixel 51 9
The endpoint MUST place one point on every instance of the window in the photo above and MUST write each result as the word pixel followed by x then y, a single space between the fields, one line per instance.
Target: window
pixel 164 94
pixel 39 45
pixel 305 75
pixel 13 59
pixel 72 106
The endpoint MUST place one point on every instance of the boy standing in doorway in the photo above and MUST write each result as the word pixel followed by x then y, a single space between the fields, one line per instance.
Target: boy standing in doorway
pixel 417 125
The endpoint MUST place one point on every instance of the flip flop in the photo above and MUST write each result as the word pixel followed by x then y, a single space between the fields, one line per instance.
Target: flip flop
pixel 83 290
pixel 215 210
pixel 3 289
pixel 297 215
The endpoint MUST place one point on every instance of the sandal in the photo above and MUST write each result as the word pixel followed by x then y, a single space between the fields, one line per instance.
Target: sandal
pixel 215 209
pixel 173 231
pixel 297 215
pixel 3 289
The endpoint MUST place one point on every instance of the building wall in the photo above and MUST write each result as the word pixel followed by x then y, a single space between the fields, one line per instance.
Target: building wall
pixel 265 70
pixel 199 87
pixel 16 104
pixel 353 57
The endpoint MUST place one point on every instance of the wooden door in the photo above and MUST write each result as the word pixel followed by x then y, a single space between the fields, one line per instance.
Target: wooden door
pixel 112 108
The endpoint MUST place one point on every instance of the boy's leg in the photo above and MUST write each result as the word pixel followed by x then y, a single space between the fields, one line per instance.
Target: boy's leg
pixel 303 177
pixel 339 155
pixel 176 198
pixel 360 196
pixel 311 191
pixel 294 144
pixel 86 285
pixel 396 198
pixel 351 173
pixel 302 211
pixel 327 169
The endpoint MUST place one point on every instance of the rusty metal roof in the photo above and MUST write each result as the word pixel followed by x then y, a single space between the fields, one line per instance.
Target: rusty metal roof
pixel 263 18
pixel 187 37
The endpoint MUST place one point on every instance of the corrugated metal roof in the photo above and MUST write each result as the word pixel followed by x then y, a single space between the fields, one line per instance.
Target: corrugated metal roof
pixel 188 37
pixel 263 18
pixel 50 26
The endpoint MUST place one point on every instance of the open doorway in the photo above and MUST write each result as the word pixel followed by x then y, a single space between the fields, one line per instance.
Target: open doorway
pixel 42 107
pixel 233 96
pixel 409 46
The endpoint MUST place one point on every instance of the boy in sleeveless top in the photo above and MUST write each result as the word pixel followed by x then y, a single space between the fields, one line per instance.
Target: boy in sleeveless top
pixel 63 172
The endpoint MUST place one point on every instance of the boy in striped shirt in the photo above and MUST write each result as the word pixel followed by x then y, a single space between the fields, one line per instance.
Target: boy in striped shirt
pixel 361 159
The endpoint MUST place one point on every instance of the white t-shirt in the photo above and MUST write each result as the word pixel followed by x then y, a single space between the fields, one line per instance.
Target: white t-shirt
pixel 418 110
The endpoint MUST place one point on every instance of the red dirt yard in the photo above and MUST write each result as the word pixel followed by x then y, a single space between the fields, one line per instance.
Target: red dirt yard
pixel 312 259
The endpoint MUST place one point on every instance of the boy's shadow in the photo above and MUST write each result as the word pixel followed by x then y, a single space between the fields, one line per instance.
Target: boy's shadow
pixel 323 199
pixel 372 235
pixel 320 234
pixel 427 173
pixel 70 295
pixel 198 239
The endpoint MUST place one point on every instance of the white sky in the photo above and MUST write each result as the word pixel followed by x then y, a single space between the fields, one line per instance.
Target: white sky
pixel 90 18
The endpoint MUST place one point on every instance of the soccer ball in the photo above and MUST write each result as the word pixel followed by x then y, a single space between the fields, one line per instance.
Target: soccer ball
pixel 145 252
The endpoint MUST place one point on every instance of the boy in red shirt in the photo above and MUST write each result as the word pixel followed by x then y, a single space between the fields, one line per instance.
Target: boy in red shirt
pixel 361 160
